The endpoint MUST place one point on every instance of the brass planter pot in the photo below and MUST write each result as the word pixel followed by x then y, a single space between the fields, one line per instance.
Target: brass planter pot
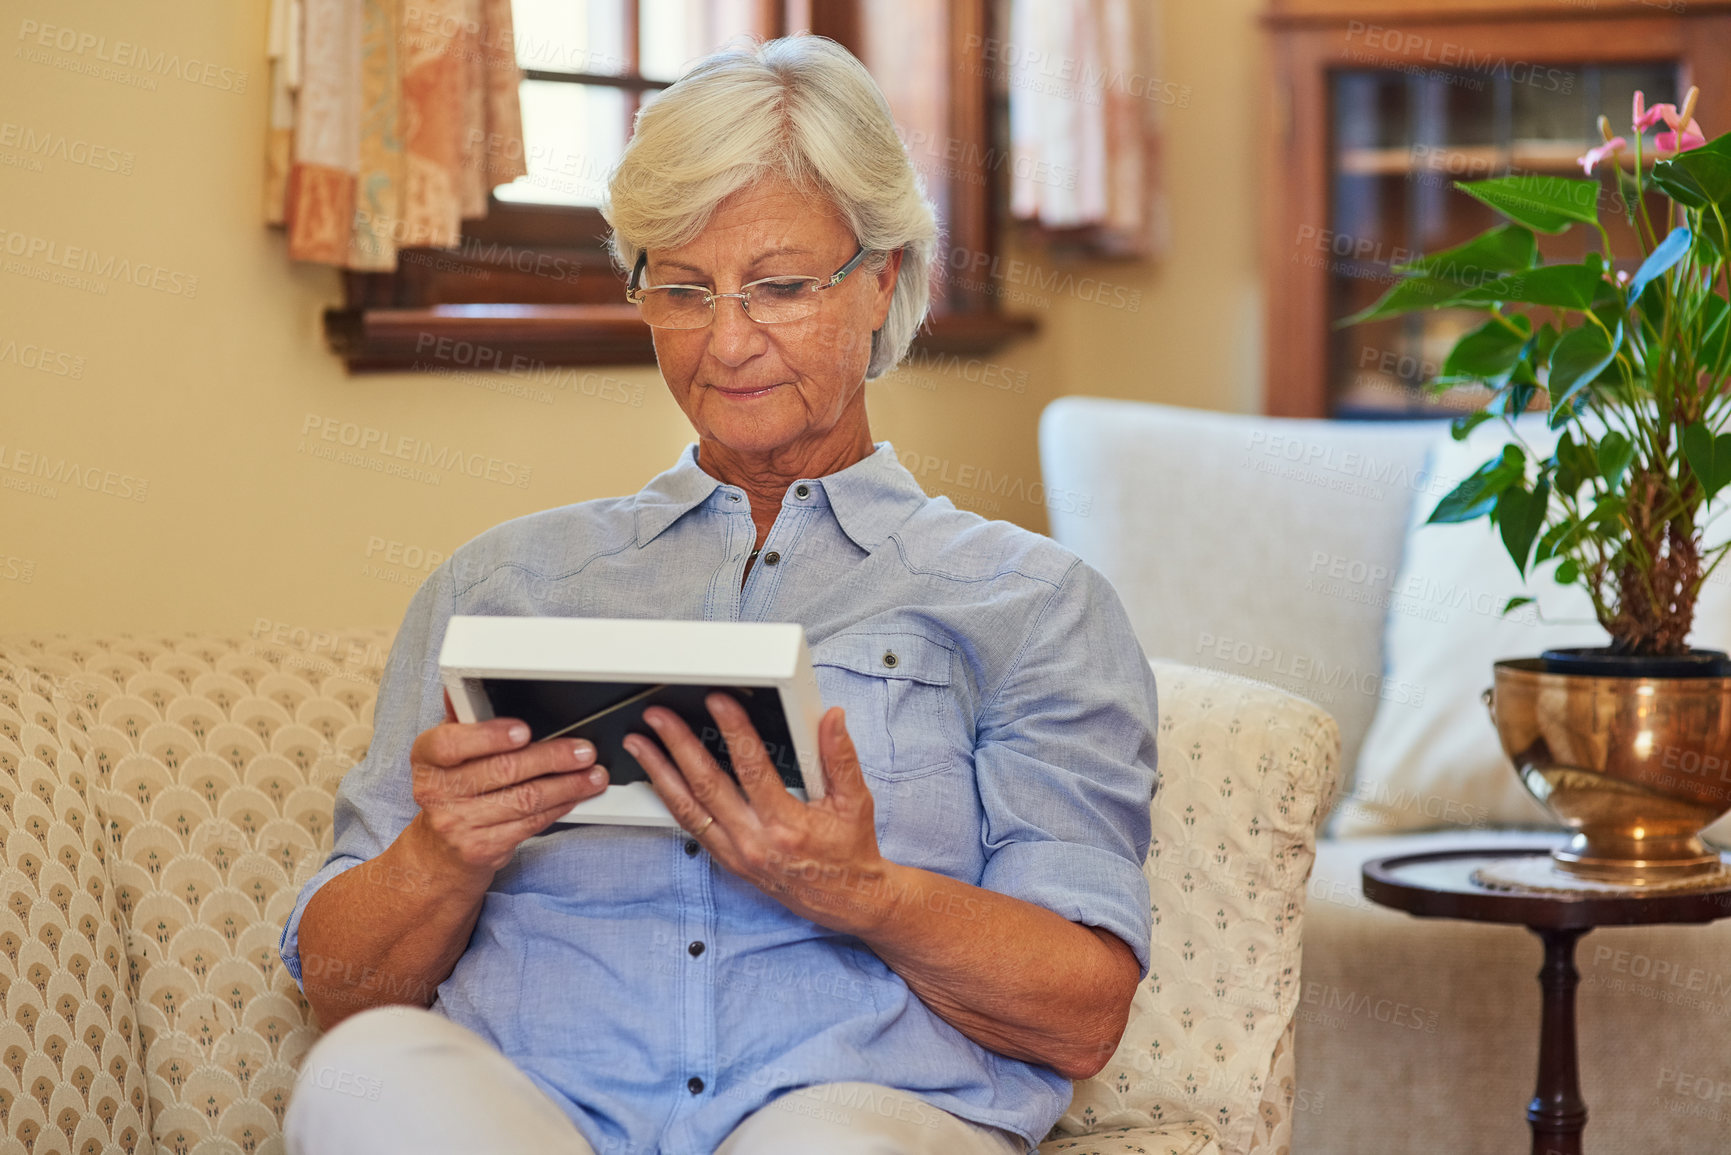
pixel 1635 767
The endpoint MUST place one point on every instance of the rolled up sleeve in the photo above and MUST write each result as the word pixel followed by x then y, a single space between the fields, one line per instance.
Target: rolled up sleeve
pixel 1066 765
pixel 290 947
pixel 376 798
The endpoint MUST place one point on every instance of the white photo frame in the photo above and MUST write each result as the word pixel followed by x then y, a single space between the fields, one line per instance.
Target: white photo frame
pixel 568 676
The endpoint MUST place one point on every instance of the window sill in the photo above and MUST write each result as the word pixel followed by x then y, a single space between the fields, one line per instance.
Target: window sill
pixel 521 336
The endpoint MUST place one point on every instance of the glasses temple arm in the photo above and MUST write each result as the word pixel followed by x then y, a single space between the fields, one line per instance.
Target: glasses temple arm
pixel 852 264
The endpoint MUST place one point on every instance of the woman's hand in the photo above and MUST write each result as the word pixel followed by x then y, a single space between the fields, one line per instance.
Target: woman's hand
pixel 484 788
pixel 1014 977
pixel 820 859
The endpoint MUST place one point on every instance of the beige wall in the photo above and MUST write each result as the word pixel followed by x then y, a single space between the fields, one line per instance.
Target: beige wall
pixel 184 404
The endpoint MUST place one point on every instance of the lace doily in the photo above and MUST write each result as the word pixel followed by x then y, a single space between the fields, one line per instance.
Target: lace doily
pixel 1538 874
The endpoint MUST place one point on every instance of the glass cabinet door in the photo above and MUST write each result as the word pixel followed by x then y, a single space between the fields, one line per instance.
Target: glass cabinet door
pixel 1399 139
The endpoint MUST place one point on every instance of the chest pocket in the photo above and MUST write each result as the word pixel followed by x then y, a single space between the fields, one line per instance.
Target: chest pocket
pixel 896 690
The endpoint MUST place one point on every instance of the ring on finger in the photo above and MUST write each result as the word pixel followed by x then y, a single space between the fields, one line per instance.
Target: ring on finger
pixel 698 833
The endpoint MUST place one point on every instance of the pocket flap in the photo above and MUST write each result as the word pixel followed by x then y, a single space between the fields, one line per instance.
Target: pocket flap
pixel 884 654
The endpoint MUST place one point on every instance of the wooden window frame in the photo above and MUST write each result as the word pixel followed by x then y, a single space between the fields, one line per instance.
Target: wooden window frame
pixel 518 291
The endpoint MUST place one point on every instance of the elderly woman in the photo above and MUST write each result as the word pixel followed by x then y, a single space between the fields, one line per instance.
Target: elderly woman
pixel 922 960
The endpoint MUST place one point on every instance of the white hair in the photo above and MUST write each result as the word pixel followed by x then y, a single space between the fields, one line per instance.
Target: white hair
pixel 801 108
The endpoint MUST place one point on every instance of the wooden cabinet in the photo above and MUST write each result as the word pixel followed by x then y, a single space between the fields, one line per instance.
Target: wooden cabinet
pixel 1375 109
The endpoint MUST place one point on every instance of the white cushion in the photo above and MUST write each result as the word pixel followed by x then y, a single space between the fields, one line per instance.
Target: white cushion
pixel 1220 532
pixel 1431 758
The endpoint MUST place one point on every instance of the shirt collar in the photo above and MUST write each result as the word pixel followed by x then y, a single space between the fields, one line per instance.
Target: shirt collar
pixel 870 498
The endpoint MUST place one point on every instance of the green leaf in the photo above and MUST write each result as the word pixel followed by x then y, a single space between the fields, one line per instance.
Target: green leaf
pixel 1574 465
pixel 1477 495
pixel 1546 204
pixel 1562 286
pixel 1489 353
pixel 1610 306
pixel 1552 538
pixel 1608 515
pixel 1696 178
pixel 1406 296
pixel 1612 374
pixel 1463 425
pixel 1708 456
pixel 1499 250
pixel 1520 513
pixel 1578 358
pixel 1567 572
pixel 1616 453
pixel 1516 603
pixel 1670 251
pixel 1513 401
pixel 1544 341
pixel 1679 184
pixel 1567 411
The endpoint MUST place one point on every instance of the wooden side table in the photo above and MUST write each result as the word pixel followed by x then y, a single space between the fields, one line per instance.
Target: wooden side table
pixel 1440 885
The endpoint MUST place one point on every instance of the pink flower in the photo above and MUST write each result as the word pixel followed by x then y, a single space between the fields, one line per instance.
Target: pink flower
pixel 1679 139
pixel 1645 117
pixel 1594 155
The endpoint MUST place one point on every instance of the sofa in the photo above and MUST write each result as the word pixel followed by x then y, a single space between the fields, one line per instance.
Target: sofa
pixel 1280 550
pixel 163 798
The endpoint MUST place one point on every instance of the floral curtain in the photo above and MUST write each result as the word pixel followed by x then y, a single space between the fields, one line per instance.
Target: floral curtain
pixel 1085 99
pixel 390 122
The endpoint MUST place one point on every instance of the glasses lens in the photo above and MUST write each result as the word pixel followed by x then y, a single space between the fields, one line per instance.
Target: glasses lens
pixel 675 307
pixel 783 299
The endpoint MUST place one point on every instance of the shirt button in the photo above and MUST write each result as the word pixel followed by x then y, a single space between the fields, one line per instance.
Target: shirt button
pixel 691 848
pixel 771 558
pixel 694 1085
pixel 733 497
pixel 802 491
pixel 695 948
pixel 890 659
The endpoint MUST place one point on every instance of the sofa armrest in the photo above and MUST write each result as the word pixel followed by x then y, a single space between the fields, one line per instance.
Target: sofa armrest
pixel 68 1026
pixel 208 764
pixel 1176 1139
pixel 1247 773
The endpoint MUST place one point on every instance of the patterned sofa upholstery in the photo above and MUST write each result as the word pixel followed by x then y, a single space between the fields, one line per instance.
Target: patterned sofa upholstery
pixel 163 798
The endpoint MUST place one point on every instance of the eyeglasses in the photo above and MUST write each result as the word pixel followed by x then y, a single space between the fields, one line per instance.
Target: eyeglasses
pixel 770 301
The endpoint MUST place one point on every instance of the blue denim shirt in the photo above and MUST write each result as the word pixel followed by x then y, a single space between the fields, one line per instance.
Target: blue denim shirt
pixel 1010 746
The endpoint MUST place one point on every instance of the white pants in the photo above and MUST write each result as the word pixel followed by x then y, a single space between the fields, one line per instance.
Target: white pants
pixel 400 1079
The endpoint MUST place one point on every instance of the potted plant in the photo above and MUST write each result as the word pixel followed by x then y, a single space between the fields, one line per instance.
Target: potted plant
pixel 1629 744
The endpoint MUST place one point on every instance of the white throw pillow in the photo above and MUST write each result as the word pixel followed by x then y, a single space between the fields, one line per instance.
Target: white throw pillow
pixel 1431 760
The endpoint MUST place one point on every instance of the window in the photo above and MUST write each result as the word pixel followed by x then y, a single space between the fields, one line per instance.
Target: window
pixel 1376 110
pixel 1400 141
pixel 532 279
